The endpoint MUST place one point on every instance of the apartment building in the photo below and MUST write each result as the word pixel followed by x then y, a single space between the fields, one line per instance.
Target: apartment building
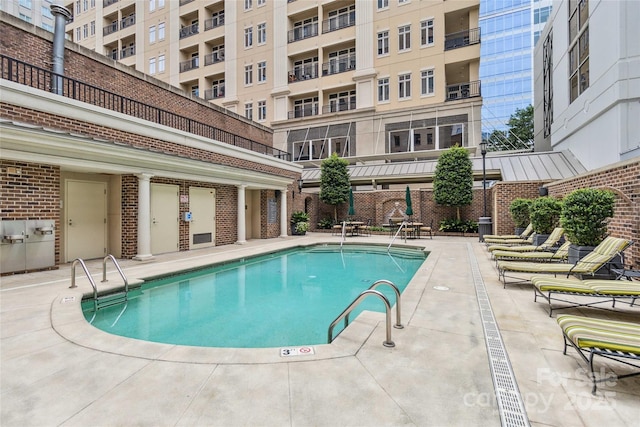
pixel 36 12
pixel 384 80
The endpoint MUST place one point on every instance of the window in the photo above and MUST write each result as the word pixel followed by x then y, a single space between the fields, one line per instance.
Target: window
pixel 248 75
pixel 426 32
pixel 161 31
pixel 26 3
pixel 78 34
pixel 262 72
pixel 427 82
pixel 195 90
pixel 383 43
pixel 152 34
pixel 85 5
pixel 262 33
pixel 248 4
pixel 404 86
pixel 46 12
pixel 93 28
pixel 248 110
pixel 93 4
pixel 383 89
pixel 404 37
pixel 160 4
pixel 262 2
pixel 47 27
pixel 305 107
pixel 152 66
pixel 26 18
pixel 578 48
pixel 85 31
pixel 152 5
pixel 383 4
pixel 342 101
pixel 217 89
pixel 78 9
pixel 248 37
pixel 161 64
pixel 262 111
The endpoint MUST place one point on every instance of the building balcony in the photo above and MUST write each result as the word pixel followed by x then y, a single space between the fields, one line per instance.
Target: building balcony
pixel 183 2
pixel 191 64
pixel 127 51
pixel 128 21
pixel 212 23
pixel 339 22
pixel 336 107
pixel 339 65
pixel 307 111
pixel 303 73
pixel 106 3
pixel 304 32
pixel 463 90
pixel 110 29
pixel 461 38
pixel 214 58
pixel 214 93
pixel 188 31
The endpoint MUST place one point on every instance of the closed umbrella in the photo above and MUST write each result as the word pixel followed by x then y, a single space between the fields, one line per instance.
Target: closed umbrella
pixel 352 211
pixel 409 210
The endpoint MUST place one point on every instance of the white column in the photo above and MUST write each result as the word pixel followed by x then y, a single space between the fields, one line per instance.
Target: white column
pixel 144 217
pixel 284 224
pixel 242 216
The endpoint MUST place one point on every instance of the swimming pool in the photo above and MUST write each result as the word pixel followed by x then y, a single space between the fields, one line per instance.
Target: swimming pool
pixel 286 298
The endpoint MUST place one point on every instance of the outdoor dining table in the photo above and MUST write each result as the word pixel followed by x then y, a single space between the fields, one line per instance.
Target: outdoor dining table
pixel 353 227
pixel 393 228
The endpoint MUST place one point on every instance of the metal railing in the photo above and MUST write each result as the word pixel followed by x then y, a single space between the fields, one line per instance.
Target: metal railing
pixel 307 111
pixel 214 57
pixel 29 75
pixel 110 29
pixel 214 22
pixel 461 38
pixel 128 21
pixel 339 22
pixel 104 277
pixel 303 32
pixel 340 65
pixel 106 3
pixel 463 90
pixel 190 64
pixel 127 51
pixel 214 93
pixel 336 107
pixel 305 72
pixel 189 30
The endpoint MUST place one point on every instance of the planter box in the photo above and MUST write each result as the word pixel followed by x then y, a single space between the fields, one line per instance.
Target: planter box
pixel 519 230
pixel 539 239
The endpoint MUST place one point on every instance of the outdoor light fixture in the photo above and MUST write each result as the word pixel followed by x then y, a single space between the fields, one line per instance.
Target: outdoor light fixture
pixel 300 182
pixel 483 151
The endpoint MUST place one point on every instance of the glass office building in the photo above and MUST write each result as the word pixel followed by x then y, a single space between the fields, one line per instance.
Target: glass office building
pixel 510 29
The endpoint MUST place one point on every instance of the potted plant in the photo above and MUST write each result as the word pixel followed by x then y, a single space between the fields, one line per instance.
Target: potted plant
pixel 545 216
pixel 299 223
pixel 519 210
pixel 584 218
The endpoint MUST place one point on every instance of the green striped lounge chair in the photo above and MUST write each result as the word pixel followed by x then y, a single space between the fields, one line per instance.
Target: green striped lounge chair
pixel 527 231
pixel 559 255
pixel 547 245
pixel 589 265
pixel 509 242
pixel 567 291
pixel 614 340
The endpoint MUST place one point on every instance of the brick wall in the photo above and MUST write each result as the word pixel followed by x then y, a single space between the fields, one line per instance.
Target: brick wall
pixel 503 194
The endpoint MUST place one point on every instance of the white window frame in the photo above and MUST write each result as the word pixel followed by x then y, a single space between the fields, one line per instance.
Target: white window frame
pixel 427 75
pixel 152 66
pixel 152 34
pixel 262 111
pixel 248 37
pixel 152 5
pixel 161 31
pixel 425 25
pixel 382 4
pixel 161 64
pixel 383 83
pixel 404 38
pixel 160 4
pixel 404 85
pixel 248 4
pixel 383 43
pixel 262 72
pixel 248 74
pixel 85 31
pixel 93 28
pixel 261 29
pixel 262 2
pixel 78 34
pixel 248 110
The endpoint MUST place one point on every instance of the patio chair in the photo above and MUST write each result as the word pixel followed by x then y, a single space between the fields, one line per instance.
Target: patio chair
pixel 527 231
pixel 509 242
pixel 552 240
pixel 428 229
pixel 611 339
pixel 589 265
pixel 559 255
pixel 365 230
pixel 559 289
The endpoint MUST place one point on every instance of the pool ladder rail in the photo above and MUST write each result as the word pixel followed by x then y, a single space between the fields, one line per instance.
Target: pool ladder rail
pixel 371 291
pixel 109 299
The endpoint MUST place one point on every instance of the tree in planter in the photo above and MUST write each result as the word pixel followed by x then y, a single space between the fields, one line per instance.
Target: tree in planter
pixel 584 215
pixel 520 211
pixel 453 179
pixel 334 182
pixel 299 222
pixel 545 215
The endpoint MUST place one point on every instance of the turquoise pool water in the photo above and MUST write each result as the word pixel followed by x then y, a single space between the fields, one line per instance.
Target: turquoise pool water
pixel 286 298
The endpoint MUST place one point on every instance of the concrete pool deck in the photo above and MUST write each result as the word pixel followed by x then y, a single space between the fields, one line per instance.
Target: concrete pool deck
pixel 56 369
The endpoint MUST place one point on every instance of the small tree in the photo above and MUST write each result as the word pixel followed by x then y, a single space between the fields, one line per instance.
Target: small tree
pixel 334 182
pixel 519 210
pixel 521 128
pixel 545 214
pixel 585 213
pixel 453 179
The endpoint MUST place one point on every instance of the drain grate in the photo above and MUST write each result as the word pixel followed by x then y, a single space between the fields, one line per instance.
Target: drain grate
pixel 510 405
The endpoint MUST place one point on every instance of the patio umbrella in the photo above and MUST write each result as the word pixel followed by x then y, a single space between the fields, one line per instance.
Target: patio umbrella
pixel 352 211
pixel 407 197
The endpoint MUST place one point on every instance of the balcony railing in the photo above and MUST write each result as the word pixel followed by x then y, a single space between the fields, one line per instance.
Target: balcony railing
pixel 463 90
pixel 189 30
pixel 214 57
pixel 110 29
pixel 214 93
pixel 338 22
pixel 462 38
pixel 127 51
pixel 29 75
pixel 336 107
pixel 191 64
pixel 214 22
pixel 183 2
pixel 303 73
pixel 339 65
pixel 128 21
pixel 106 3
pixel 306 111
pixel 304 32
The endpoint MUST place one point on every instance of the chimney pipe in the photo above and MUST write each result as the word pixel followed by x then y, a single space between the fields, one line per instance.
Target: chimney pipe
pixel 62 15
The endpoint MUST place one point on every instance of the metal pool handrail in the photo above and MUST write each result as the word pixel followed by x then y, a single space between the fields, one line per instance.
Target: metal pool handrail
pixel 377 283
pixel 115 263
pixel 388 342
pixel 86 271
pixel 402 224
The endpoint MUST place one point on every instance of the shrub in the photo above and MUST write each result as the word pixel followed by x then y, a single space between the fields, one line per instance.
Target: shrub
pixel 545 214
pixel 299 216
pixel 325 223
pixel 458 225
pixel 585 213
pixel 519 210
pixel 302 227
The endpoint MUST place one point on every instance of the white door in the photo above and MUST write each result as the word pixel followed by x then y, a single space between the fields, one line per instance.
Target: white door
pixel 202 229
pixel 165 216
pixel 85 219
